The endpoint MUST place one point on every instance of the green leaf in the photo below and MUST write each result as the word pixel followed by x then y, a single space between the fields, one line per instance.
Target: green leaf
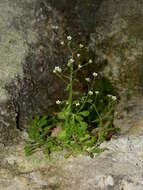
pixel 84 113
pixel 86 137
pixel 89 100
pixel 61 115
pixel 79 118
pixel 62 135
pixel 83 125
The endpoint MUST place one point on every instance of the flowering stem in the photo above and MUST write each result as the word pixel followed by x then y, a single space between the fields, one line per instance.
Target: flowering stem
pixel 86 96
pixel 80 68
pixel 70 90
pixel 97 113
pixel 65 76
pixel 61 77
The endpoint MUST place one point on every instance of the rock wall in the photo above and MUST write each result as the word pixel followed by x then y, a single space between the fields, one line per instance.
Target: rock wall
pixel 30 35
pixel 119 43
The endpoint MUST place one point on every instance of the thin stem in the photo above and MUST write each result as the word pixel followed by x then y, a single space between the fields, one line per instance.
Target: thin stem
pixel 86 96
pixel 61 77
pixel 97 112
pixel 65 76
pixel 80 68
pixel 71 83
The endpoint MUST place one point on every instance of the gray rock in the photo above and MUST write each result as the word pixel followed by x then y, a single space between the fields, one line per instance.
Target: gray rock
pixel 118 168
pixel 118 43
pixel 30 35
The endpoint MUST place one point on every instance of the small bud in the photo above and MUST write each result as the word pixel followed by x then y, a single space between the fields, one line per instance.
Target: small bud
pixel 87 79
pixel 90 61
pixel 81 45
pixel 79 66
pixel 62 43
pixel 78 55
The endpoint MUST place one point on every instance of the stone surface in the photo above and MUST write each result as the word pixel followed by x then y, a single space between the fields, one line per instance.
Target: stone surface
pixel 118 42
pixel 119 168
pixel 31 31
pixel 30 35
pixel 129 116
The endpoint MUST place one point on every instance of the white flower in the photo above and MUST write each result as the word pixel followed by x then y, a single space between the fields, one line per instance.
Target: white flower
pixel 114 98
pixel 79 66
pixel 62 43
pixel 96 92
pixel 77 104
pixel 95 74
pixel 69 38
pixel 81 45
pixel 70 61
pixel 58 102
pixel 90 61
pixel 57 69
pixel 90 93
pixel 78 55
pixel 87 79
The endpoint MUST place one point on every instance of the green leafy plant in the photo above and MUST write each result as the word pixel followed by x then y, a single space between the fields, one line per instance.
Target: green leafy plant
pixel 85 118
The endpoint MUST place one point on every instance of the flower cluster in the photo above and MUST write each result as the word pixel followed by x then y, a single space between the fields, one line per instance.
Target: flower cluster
pixel 58 102
pixel 87 78
pixel 90 93
pixel 57 69
pixel 114 98
pixel 95 74
pixel 77 104
pixel 70 61
pixel 69 38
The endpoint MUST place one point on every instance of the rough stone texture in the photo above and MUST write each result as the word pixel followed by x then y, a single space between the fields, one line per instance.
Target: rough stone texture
pixel 118 42
pixel 30 32
pixel 30 35
pixel 118 168
pixel 129 116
